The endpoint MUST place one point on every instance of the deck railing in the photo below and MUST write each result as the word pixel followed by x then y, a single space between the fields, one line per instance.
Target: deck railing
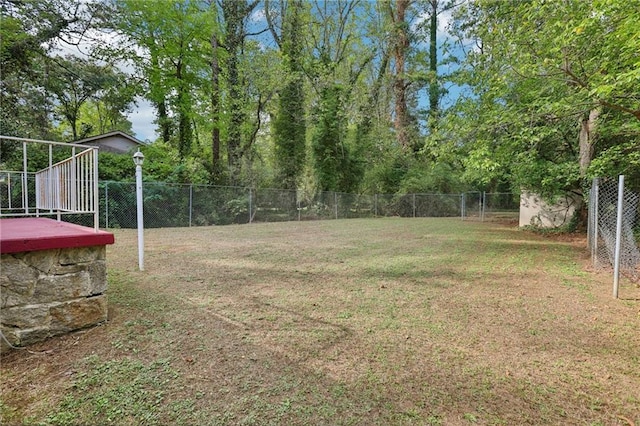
pixel 69 186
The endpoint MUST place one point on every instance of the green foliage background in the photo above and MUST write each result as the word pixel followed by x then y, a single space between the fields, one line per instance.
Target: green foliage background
pixel 302 95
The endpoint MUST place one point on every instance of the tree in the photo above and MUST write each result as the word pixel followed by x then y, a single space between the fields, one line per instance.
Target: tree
pixel 216 100
pixel 112 102
pixel 74 81
pixel 400 46
pixel 235 13
pixel 97 116
pixel 337 65
pixel 412 24
pixel 289 125
pixel 435 9
pixel 29 31
pixel 550 76
pixel 173 62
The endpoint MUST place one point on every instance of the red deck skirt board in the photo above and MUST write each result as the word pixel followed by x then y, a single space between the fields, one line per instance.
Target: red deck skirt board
pixel 36 233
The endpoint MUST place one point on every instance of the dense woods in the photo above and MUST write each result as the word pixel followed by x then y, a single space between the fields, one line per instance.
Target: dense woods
pixel 344 95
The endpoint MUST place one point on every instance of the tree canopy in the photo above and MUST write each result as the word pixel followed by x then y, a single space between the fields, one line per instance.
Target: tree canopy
pixel 342 95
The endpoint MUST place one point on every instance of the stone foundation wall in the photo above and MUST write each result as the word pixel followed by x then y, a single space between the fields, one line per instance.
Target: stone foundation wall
pixel 51 292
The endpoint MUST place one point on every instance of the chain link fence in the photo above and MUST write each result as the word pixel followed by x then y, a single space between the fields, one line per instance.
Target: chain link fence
pixel 491 206
pixel 176 205
pixel 603 226
pixel 17 193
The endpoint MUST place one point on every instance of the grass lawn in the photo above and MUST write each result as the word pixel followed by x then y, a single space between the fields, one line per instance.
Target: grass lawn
pixel 363 322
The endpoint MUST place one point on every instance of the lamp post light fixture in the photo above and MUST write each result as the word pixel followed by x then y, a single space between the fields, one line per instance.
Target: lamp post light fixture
pixel 138 159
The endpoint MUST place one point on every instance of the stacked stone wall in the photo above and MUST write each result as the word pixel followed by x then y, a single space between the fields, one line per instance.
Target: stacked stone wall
pixel 51 292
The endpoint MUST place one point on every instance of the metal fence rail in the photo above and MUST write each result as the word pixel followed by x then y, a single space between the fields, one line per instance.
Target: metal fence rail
pixel 56 178
pixel 68 185
pixel 604 227
pixel 177 205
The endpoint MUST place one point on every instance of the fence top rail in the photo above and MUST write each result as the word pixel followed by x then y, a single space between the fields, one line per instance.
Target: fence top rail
pixel 195 185
pixel 67 144
pixel 259 189
pixel 455 194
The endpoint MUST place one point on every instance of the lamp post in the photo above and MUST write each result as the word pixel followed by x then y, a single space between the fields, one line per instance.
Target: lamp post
pixel 138 159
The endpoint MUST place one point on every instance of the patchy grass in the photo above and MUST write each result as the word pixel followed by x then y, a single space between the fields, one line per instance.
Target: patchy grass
pixel 389 321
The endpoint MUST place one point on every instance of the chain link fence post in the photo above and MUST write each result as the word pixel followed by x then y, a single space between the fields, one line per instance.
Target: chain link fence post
pixel 413 204
pixel 250 205
pixel 615 220
pixel 106 205
pixel 190 205
pixel 592 223
pixel 616 255
pixel 375 204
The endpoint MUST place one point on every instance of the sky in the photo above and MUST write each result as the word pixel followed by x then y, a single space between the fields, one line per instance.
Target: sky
pixel 142 117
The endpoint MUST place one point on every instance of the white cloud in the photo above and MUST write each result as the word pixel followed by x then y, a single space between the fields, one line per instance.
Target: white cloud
pixel 444 20
pixel 142 118
pixel 258 16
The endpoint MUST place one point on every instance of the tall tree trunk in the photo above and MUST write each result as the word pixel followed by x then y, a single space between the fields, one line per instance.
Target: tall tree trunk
pixel 163 121
pixel 235 12
pixel 161 105
pixel 289 125
pixel 234 133
pixel 216 167
pixel 400 47
pixel 185 134
pixel 72 117
pixel 367 109
pixel 434 89
pixel 586 139
pixel 74 131
pixel 101 118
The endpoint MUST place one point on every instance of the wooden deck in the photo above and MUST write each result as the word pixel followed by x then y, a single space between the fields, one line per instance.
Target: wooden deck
pixel 36 233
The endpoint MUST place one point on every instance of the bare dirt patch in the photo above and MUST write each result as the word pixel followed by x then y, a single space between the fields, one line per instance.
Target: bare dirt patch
pixel 390 321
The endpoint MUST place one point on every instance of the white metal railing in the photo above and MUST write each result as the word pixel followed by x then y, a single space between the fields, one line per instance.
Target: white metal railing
pixel 69 186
